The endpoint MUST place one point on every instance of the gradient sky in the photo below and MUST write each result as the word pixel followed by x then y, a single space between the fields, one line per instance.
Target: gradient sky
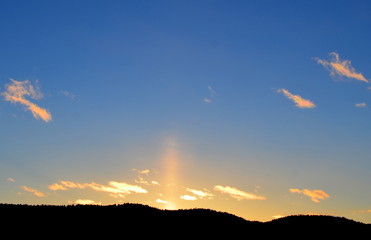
pixel 257 108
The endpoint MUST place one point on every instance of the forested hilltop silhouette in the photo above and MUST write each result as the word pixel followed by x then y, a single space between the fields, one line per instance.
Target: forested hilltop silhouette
pixel 128 216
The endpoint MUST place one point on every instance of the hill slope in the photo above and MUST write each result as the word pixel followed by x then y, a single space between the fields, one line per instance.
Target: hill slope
pixel 134 216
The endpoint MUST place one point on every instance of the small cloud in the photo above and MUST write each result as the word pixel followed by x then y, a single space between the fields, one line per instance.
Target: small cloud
pixel 161 201
pixel 142 174
pixel 361 105
pixel 16 91
pixel 315 195
pixel 298 100
pixel 155 183
pixel 339 67
pixel 9 179
pixel 144 171
pixel 33 191
pixel 238 194
pixel 207 100
pixel 68 94
pixel 188 197
pixel 85 202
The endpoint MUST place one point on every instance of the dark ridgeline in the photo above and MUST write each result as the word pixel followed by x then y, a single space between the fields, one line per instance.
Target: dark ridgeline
pixel 128 217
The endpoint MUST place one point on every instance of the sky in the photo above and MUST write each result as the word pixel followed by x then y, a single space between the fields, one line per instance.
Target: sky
pixel 257 108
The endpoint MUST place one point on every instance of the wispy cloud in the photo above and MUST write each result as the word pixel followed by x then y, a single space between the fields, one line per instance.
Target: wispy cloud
pixel 212 91
pixel 298 100
pixel 16 91
pixel 361 105
pixel 212 94
pixel 238 194
pixel 315 195
pixel 68 94
pixel 9 179
pixel 116 189
pixel 142 174
pixel 35 192
pixel 339 67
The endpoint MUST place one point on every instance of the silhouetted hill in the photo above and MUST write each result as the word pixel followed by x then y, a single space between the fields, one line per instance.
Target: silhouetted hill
pixel 313 220
pixel 90 219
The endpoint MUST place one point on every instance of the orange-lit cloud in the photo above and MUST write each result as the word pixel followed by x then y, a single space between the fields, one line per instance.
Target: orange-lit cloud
pixel 298 100
pixel 238 194
pixel 339 67
pixel 315 195
pixel 33 191
pixel 116 189
pixel 16 93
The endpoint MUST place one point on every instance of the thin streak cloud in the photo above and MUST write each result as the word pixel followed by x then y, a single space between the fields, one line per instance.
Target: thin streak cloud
pixel 298 100
pixel 361 105
pixel 16 91
pixel 339 67
pixel 35 192
pixel 85 202
pixel 238 194
pixel 188 197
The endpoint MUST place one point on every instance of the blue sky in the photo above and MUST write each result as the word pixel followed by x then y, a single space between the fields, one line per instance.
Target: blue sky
pixel 129 84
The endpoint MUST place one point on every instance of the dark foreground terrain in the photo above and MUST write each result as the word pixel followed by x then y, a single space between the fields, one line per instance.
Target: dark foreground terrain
pixel 140 219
